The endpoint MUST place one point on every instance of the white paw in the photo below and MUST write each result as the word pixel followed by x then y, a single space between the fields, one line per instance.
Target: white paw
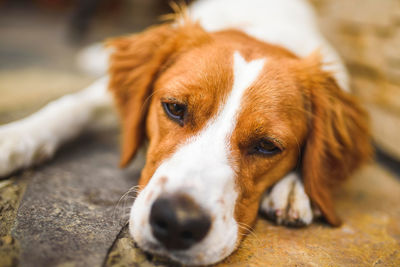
pixel 22 147
pixel 287 203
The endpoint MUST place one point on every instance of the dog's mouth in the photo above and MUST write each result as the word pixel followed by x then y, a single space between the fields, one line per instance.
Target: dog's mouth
pixel 185 257
pixel 158 252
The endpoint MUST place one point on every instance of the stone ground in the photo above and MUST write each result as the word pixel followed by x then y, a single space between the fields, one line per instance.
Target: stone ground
pixel 72 210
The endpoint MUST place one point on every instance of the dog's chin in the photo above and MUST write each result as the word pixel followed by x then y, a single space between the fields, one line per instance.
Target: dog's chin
pixel 182 257
pixel 203 253
pixel 176 256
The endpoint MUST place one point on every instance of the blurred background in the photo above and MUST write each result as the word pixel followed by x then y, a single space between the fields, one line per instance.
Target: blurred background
pixel 52 215
pixel 366 33
pixel 40 39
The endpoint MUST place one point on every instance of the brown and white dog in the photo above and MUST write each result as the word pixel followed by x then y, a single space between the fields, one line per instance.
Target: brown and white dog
pixel 233 101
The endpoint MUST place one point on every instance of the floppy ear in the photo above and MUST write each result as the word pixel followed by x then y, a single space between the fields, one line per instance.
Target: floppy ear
pixel 338 140
pixel 135 64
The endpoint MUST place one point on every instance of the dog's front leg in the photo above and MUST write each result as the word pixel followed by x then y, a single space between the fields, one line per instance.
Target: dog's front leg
pixel 287 203
pixel 35 138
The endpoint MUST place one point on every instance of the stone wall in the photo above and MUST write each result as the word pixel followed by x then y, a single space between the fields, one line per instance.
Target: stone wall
pixel 367 35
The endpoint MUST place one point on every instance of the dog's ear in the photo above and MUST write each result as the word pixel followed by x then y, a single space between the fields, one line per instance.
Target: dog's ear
pixel 135 63
pixel 338 139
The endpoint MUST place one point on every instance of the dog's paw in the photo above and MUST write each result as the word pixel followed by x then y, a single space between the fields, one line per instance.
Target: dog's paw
pixel 22 147
pixel 287 203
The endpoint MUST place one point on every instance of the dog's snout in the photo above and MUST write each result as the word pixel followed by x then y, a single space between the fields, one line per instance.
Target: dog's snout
pixel 178 222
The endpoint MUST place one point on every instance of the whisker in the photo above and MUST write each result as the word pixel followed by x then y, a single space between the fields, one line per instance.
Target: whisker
pixel 124 198
pixel 145 102
pixel 250 231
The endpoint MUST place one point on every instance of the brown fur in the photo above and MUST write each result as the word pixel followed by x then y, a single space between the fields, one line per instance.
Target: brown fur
pixel 292 101
pixel 134 66
pixel 338 141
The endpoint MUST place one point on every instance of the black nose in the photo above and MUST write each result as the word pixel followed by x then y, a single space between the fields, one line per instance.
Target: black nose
pixel 178 222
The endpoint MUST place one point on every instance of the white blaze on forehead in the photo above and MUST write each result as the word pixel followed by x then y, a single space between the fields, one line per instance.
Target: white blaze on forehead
pixel 201 169
pixel 205 157
pixel 244 73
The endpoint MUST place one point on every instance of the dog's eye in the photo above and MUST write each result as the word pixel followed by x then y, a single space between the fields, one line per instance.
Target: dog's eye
pixel 175 111
pixel 265 147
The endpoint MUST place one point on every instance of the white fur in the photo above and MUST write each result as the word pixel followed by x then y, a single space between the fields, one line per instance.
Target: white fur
pixel 31 140
pixel 288 23
pixel 201 168
pixel 288 201
pixel 93 59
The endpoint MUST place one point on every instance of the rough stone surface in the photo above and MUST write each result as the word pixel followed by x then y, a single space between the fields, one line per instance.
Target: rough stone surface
pixel 71 213
pixel 11 192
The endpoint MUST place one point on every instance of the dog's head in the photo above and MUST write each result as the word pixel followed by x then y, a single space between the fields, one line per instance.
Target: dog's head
pixel 226 116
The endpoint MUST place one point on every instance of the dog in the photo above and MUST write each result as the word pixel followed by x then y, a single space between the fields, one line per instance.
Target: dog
pixel 245 106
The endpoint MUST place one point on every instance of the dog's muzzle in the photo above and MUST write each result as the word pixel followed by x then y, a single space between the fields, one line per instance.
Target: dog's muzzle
pixel 177 222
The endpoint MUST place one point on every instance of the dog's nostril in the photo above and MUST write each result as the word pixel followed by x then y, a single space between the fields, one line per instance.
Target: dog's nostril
pixel 161 227
pixel 161 224
pixel 187 235
pixel 178 222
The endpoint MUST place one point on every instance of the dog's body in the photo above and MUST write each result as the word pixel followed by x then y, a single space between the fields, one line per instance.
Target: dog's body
pixel 228 107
